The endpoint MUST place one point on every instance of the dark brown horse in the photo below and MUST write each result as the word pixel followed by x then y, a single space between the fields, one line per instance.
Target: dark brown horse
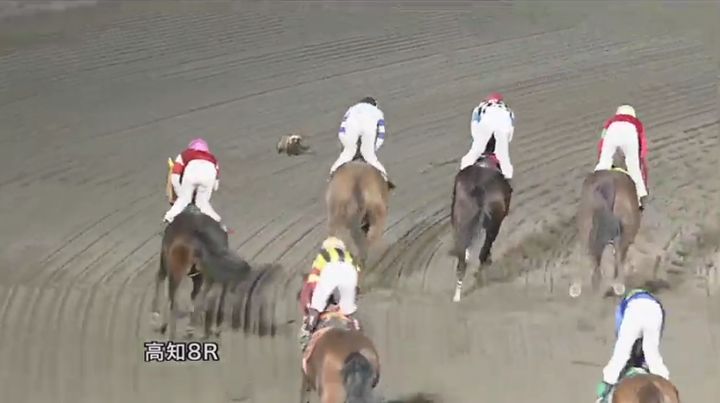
pixel 357 206
pixel 196 245
pixel 480 200
pixel 340 363
pixel 609 214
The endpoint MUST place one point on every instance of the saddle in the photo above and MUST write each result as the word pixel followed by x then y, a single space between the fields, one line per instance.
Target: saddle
pixel 328 320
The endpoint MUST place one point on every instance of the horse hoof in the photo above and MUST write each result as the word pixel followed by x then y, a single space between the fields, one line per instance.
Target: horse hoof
pixel 155 321
pixel 575 290
pixel 619 289
pixel 458 294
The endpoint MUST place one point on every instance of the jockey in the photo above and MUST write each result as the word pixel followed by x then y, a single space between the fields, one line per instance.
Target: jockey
pixel 626 132
pixel 491 118
pixel 200 174
pixel 639 315
pixel 333 269
pixel 363 121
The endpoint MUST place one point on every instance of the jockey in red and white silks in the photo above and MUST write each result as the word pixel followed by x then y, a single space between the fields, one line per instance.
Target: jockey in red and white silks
pixel 626 132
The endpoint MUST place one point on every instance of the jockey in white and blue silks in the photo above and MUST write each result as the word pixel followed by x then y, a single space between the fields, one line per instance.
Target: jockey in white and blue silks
pixel 639 315
pixel 492 118
pixel 363 121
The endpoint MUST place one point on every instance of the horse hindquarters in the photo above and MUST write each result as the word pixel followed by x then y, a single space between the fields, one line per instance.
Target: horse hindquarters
pixel 466 212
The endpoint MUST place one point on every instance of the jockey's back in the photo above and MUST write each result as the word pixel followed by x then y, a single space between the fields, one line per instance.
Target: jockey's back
pixel 364 110
pixel 493 110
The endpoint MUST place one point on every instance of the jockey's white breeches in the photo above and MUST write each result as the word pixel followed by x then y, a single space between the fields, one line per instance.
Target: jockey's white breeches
pixel 643 318
pixel 495 122
pixel 364 128
pixel 339 279
pixel 199 177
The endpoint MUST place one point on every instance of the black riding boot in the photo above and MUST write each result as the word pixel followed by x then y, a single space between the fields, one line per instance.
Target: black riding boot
pixel 311 321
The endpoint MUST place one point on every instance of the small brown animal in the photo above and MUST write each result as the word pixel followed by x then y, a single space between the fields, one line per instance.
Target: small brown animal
pixel 292 144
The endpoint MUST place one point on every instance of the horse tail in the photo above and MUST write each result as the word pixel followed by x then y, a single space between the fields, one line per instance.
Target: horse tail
pixel 219 263
pixel 466 212
pixel 606 227
pixel 649 393
pixel 358 375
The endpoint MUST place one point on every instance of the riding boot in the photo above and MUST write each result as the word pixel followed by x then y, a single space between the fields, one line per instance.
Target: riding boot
pixel 308 327
pixel 311 321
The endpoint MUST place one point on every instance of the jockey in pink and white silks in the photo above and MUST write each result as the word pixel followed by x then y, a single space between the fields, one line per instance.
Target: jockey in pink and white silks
pixel 363 121
pixel 200 173
pixel 492 118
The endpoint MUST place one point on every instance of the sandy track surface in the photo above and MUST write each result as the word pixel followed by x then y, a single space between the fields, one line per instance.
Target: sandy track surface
pixel 94 100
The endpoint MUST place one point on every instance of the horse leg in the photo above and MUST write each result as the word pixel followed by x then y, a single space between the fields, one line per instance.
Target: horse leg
pixel 620 269
pixel 305 388
pixel 460 270
pixel 198 305
pixel 156 319
pixel 492 228
pixel 220 312
pixel 172 294
pixel 211 310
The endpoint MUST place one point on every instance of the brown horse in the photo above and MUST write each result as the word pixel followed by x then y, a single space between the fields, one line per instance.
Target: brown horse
pixel 481 196
pixel 609 214
pixel 645 388
pixel 637 385
pixel 357 206
pixel 340 363
pixel 196 245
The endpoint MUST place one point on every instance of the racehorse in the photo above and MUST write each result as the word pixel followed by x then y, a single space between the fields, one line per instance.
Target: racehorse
pixel 339 362
pixel 609 214
pixel 481 196
pixel 357 205
pixel 637 385
pixel 195 243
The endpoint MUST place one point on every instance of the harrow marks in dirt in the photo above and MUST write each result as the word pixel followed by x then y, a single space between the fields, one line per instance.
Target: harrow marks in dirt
pixel 91 104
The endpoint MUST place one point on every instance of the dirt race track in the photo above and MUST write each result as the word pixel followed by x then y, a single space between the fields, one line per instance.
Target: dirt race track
pixel 93 101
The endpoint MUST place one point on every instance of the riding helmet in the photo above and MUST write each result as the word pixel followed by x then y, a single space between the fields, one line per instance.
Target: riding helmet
pixel 199 145
pixel 494 96
pixel 369 100
pixel 626 110
pixel 333 243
